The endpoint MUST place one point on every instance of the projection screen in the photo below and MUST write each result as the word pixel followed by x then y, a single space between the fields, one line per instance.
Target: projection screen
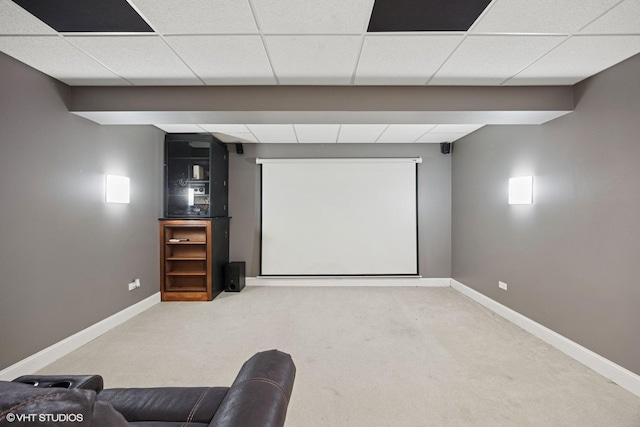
pixel 339 217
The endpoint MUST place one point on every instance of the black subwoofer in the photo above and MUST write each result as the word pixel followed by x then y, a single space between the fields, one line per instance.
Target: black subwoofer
pixel 234 276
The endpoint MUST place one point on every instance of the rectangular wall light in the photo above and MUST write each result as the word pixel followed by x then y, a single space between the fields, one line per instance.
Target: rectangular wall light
pixel 521 190
pixel 117 189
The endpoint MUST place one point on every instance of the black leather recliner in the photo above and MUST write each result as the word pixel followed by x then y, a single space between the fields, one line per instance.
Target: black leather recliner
pixel 258 397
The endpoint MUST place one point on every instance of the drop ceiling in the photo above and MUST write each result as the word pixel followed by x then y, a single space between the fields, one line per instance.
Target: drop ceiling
pixel 326 43
pixel 329 133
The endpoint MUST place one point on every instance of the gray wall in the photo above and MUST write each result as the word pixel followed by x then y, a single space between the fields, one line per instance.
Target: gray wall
pixel 571 258
pixel 434 198
pixel 66 256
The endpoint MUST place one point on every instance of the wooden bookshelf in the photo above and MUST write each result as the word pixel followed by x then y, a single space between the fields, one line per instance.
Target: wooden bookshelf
pixel 191 267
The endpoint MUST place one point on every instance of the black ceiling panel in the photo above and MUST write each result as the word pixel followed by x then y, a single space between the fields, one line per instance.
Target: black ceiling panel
pixel 425 15
pixel 86 15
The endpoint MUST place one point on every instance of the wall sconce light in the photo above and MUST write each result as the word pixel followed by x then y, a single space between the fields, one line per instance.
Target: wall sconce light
pixel 117 189
pixel 521 190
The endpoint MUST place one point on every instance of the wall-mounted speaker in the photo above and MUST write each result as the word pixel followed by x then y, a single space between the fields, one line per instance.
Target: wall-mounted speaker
pixel 239 148
pixel 234 276
pixel 446 147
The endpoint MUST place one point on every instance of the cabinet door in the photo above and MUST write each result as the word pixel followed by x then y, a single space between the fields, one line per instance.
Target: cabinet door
pixel 220 253
pixel 219 180
pixel 187 179
pixel 196 176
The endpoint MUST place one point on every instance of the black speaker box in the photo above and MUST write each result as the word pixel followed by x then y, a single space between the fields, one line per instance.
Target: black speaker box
pixel 446 147
pixel 234 276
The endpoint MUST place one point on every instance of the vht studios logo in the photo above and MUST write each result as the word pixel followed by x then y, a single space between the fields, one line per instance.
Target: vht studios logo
pixel 44 418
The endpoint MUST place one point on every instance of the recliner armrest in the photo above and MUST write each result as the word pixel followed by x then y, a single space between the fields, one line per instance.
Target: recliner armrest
pixel 260 394
pixel 85 382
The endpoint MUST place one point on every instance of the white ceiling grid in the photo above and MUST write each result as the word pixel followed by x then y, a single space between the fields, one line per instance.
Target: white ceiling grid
pixel 221 60
pixel 541 16
pixel 246 42
pixel 329 133
pixel 139 59
pixel 310 42
pixel 403 59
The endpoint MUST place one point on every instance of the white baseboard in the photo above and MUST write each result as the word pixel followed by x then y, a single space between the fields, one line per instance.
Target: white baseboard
pixel 62 348
pixel 616 373
pixel 345 281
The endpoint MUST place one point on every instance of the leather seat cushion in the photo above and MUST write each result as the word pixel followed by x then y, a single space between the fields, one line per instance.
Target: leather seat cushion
pixel 166 404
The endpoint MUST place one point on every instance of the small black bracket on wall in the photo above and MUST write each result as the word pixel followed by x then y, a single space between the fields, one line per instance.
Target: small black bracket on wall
pixel 239 149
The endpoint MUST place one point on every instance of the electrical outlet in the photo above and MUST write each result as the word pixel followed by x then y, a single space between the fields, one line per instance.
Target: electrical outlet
pixel 502 285
pixel 132 286
pixel 137 282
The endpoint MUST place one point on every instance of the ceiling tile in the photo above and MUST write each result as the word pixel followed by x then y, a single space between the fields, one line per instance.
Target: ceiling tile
pixel 577 59
pixel 235 137
pixel 220 60
pixel 360 133
pixel 440 137
pixel 312 16
pixel 317 133
pixel 421 15
pixel 455 128
pixel 179 128
pixel 225 128
pixel 57 58
pixel 113 16
pixel 540 16
pixel 274 133
pixel 404 133
pixel 403 59
pixel 230 133
pixel 198 16
pixel 16 20
pixel 313 60
pixel 622 19
pixel 490 60
pixel 142 60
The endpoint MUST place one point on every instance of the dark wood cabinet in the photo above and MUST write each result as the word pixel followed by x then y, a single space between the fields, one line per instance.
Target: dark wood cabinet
pixel 194 234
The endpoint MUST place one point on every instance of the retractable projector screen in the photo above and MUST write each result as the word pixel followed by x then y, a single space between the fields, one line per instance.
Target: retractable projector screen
pixel 339 217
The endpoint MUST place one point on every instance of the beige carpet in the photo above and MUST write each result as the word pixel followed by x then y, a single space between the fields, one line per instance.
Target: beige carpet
pixel 374 356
